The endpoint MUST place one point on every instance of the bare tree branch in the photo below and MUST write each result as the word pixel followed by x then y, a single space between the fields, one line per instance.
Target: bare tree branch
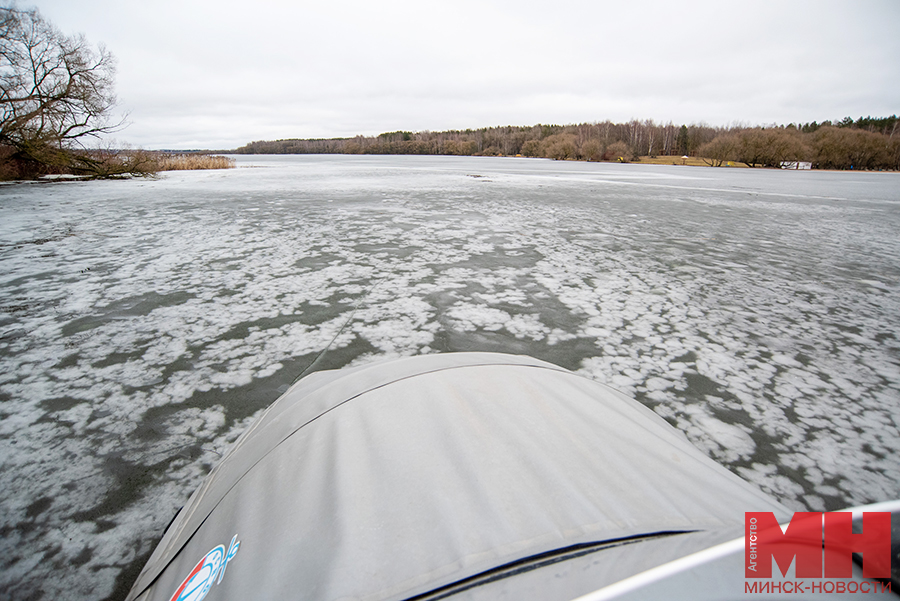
pixel 56 91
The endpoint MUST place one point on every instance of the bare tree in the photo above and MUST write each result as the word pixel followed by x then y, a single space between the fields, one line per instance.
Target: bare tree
pixel 720 150
pixel 651 130
pixel 769 147
pixel 560 146
pixel 56 92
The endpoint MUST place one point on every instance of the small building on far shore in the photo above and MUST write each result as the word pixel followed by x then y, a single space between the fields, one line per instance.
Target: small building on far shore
pixel 796 165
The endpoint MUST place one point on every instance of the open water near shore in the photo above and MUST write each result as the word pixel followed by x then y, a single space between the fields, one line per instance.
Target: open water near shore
pixel 145 323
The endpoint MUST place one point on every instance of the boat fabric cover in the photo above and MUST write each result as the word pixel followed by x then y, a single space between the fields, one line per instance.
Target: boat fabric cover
pixel 392 479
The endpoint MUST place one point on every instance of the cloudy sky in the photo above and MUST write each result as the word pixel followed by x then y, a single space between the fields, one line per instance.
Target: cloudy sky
pixel 221 73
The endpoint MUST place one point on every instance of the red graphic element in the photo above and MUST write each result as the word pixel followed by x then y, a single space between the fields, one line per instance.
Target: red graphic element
pixel 190 576
pixel 874 542
pixel 817 539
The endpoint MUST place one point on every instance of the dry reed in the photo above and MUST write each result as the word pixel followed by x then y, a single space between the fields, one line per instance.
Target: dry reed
pixel 178 162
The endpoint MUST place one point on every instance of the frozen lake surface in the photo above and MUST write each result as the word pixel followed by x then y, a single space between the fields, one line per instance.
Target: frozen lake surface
pixel 145 323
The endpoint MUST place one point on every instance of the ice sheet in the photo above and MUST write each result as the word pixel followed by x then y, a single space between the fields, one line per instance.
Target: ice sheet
pixel 143 324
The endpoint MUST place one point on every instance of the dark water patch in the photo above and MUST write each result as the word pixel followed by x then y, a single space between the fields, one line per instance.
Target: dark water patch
pixel 118 358
pixel 824 376
pixel 243 401
pixel 446 299
pixel 38 507
pixel 82 325
pixel 134 306
pixel 157 423
pixel 569 354
pixel 184 362
pixel 64 403
pixel 40 276
pixel 804 359
pixel 495 259
pixel 317 260
pixel 152 425
pixel 314 313
pixel 97 414
pixel 884 336
pixel 25 527
pixel 50 552
pixel 83 557
pixel 399 252
pixel 25 592
pixel 790 413
pixel 241 330
pixel 689 357
pixel 519 258
pixel 77 340
pixel 729 415
pixel 338 357
pixel 70 360
pixel 768 448
pixel 145 303
pixel 867 448
pixel 450 341
pixel 556 315
pixel 845 327
pixel 50 418
pixel 128 574
pixel 104 525
pixel 701 385
pixel 131 480
pixel 442 342
pixel 6 531
pixel 443 299
pixel 765 355
pixel 229 263
pixel 833 502
pixel 191 452
pixel 405 226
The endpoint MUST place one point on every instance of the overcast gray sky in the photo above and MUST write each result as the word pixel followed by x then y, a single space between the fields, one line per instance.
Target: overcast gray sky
pixel 221 73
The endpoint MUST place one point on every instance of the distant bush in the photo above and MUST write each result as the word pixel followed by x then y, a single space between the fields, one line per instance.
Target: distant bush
pixel 560 146
pixel 845 148
pixel 592 150
pixel 618 152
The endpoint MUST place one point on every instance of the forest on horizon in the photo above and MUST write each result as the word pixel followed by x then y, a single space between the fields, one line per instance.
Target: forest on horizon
pixel 866 143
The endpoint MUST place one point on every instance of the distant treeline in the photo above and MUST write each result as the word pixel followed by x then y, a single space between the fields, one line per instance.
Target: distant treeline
pixel 866 143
